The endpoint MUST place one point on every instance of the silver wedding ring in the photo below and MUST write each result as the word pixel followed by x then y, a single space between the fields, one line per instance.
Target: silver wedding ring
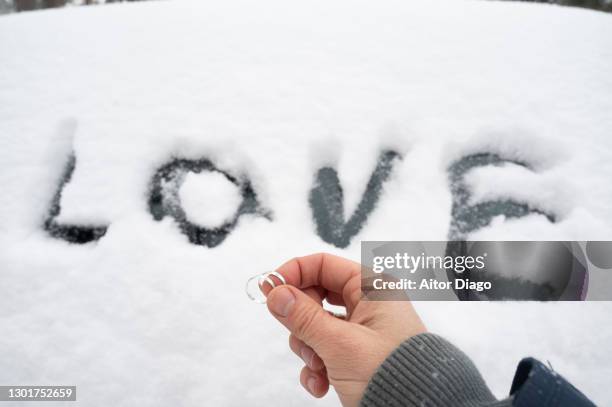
pixel 255 285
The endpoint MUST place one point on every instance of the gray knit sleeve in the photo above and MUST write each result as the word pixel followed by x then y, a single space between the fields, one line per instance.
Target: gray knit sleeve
pixel 427 370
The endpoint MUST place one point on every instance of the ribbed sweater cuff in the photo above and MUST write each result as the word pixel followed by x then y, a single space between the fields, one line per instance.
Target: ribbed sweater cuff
pixel 427 370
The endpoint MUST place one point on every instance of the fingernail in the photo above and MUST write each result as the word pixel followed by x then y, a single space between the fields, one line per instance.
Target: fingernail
pixel 307 355
pixel 311 384
pixel 282 302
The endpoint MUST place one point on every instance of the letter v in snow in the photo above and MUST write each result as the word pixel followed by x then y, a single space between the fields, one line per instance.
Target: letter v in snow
pixel 327 201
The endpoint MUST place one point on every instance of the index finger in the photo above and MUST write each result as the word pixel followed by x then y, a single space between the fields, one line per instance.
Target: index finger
pixel 333 273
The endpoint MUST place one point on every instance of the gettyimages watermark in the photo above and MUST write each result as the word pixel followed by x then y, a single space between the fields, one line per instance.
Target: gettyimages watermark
pixel 487 270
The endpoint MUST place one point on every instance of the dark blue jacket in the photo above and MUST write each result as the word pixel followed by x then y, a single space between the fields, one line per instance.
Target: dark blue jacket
pixel 536 385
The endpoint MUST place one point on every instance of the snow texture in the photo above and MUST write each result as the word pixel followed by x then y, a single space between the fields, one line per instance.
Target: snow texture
pixel 272 92
pixel 209 198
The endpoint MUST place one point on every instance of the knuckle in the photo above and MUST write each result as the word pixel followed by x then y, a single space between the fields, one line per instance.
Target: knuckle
pixel 305 322
pixel 294 343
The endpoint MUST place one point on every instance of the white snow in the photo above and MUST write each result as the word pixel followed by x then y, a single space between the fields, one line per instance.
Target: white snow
pixel 274 90
pixel 209 199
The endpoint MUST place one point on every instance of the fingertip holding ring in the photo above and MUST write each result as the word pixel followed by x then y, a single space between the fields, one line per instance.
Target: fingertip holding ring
pixel 255 284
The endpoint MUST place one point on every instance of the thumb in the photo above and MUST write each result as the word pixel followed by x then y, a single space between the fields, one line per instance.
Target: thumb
pixel 303 316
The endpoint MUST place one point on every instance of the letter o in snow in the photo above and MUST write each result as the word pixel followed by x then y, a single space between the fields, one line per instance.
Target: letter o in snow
pixel 166 193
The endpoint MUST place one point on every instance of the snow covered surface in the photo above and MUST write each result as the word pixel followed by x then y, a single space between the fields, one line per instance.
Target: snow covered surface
pixel 276 90
pixel 209 198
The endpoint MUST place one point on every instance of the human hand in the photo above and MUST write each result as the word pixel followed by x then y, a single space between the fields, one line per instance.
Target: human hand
pixel 342 352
